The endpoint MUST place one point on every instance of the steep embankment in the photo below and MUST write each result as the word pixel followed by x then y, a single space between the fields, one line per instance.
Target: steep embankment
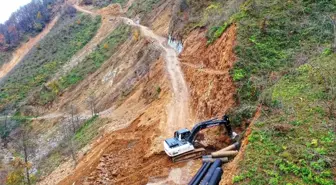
pixel 207 72
pixel 135 65
pixel 100 164
pixel 285 49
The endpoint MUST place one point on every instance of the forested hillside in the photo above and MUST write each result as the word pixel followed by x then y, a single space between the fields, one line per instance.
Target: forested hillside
pixel 27 21
pixel 69 35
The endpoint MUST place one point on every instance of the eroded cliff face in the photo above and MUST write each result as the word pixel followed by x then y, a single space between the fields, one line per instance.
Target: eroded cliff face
pixel 206 69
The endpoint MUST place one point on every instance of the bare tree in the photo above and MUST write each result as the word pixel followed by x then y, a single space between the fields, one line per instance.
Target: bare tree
pixel 68 130
pixel 73 151
pixel 4 127
pixel 5 131
pixel 74 118
pixel 91 104
pixel 6 118
pixel 26 147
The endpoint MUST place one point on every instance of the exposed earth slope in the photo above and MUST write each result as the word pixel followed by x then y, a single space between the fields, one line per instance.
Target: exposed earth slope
pixel 138 70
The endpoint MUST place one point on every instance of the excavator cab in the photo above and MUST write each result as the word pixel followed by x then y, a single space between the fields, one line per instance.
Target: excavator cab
pixel 179 143
pixel 182 134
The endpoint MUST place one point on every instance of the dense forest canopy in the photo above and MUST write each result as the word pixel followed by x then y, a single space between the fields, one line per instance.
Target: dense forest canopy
pixel 28 20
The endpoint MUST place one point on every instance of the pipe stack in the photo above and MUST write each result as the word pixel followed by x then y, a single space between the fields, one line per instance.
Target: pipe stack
pixel 208 174
pixel 223 154
pixel 200 174
pixel 211 171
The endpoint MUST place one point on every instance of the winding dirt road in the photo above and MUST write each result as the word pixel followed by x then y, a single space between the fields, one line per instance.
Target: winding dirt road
pixel 178 113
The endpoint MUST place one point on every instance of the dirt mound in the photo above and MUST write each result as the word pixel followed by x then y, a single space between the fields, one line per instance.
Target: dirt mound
pixel 122 156
pixel 207 72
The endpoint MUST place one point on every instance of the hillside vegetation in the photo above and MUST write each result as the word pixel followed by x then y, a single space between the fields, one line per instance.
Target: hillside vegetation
pixel 5 56
pixel 103 3
pixel 286 64
pixel 70 34
pixel 281 74
pixel 28 21
pixel 89 65
pixel 294 140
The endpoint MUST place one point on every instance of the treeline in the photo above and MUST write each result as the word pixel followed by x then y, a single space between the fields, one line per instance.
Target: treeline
pixel 28 20
pixel 102 3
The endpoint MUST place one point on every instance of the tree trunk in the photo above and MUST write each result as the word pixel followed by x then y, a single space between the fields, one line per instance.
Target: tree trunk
pixel 332 108
pixel 25 148
pixel 72 120
pixel 73 153
pixel 6 123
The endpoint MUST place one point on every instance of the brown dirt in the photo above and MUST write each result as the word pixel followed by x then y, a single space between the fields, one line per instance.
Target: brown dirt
pixel 133 155
pixel 128 156
pixel 121 160
pixel 23 50
pixel 140 118
pixel 136 65
pixel 206 70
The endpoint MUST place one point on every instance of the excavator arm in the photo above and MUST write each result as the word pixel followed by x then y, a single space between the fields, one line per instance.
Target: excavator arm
pixel 211 123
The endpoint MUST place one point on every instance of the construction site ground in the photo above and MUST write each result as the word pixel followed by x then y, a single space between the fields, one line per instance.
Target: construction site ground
pixel 128 149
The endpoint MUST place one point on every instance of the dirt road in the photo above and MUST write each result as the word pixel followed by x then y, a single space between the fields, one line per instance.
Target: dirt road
pixel 178 113
pixel 84 10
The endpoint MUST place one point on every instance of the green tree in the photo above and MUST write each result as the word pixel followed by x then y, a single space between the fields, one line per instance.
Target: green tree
pixel 39 15
pixel 16 176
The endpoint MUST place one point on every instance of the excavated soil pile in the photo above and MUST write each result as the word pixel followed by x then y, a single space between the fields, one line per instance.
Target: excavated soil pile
pixel 125 163
pixel 134 154
pixel 121 159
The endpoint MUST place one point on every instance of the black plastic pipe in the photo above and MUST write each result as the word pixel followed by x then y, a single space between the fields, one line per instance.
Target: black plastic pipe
pixel 201 174
pixel 198 172
pixel 217 163
pixel 216 177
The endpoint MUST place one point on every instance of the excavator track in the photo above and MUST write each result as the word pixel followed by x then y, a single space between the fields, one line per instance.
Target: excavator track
pixel 194 154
